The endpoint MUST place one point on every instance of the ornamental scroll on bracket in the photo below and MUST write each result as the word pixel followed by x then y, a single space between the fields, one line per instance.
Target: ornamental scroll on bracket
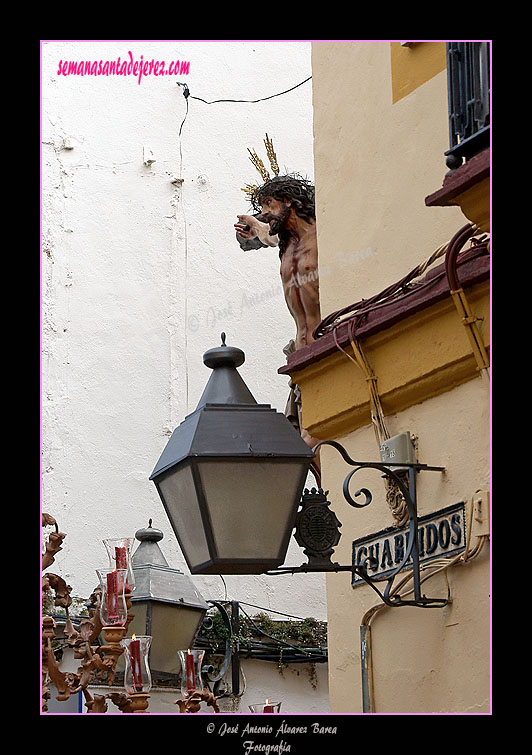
pixel 317 530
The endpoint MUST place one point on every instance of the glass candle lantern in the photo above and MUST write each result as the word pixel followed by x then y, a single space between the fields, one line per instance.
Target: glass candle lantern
pixel 113 608
pixel 191 661
pixel 137 676
pixel 119 550
pixel 265 707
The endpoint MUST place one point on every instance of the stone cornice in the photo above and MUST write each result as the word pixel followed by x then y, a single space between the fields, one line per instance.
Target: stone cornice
pixel 458 181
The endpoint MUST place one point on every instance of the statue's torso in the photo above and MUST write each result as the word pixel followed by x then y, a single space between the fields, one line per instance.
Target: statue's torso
pixel 299 275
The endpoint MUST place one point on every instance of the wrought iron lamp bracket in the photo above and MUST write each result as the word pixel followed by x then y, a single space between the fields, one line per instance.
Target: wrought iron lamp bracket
pixel 231 655
pixel 317 530
pixel 216 678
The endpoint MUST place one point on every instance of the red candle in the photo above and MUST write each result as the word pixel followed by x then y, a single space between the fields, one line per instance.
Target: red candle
pixel 121 562
pixel 189 670
pixel 112 597
pixel 121 558
pixel 267 708
pixel 136 668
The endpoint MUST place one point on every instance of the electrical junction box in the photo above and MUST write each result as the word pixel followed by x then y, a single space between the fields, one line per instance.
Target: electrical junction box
pixel 398 450
pixel 481 512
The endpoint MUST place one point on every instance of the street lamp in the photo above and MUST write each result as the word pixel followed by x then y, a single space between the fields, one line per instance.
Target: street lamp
pixel 231 476
pixel 166 604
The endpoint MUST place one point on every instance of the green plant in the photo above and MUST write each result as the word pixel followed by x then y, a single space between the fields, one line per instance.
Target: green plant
pixel 261 628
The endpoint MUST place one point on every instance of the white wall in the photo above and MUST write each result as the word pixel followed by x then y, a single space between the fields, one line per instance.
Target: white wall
pixel 140 275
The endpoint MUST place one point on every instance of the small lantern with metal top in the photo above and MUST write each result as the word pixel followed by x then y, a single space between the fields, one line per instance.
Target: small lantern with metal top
pixel 167 606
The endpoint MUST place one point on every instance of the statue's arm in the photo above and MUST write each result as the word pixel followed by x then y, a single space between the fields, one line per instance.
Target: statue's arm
pixel 256 229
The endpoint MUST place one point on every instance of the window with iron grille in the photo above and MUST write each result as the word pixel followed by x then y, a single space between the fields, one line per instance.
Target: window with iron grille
pixel 468 79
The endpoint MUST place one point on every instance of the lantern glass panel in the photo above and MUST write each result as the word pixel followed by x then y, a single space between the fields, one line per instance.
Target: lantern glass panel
pixel 181 500
pixel 251 505
pixel 174 627
pixel 139 624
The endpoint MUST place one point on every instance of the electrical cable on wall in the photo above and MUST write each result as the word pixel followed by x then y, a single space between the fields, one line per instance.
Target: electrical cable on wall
pixel 225 586
pixel 434 567
pixel 351 317
pixel 271 610
pixel 186 94
pixel 263 608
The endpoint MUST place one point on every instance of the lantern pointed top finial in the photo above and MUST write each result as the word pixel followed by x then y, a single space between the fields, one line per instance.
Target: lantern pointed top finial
pixel 149 534
pixel 148 552
pixel 224 355
pixel 225 385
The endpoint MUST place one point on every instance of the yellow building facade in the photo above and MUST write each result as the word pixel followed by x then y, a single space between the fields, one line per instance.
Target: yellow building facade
pixel 414 361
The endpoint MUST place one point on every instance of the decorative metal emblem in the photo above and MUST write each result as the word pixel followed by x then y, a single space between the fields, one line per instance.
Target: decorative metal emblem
pixel 317 528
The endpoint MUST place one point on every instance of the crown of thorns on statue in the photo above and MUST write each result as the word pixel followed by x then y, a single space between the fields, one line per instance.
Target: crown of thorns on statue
pixel 291 186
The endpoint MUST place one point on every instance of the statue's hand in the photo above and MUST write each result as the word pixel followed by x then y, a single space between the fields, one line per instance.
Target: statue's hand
pixel 248 227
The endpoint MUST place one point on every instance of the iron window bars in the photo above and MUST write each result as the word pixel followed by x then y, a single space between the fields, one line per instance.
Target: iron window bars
pixel 468 84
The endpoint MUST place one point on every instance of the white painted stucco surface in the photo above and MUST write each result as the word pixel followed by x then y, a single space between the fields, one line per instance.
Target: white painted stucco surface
pixel 140 276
